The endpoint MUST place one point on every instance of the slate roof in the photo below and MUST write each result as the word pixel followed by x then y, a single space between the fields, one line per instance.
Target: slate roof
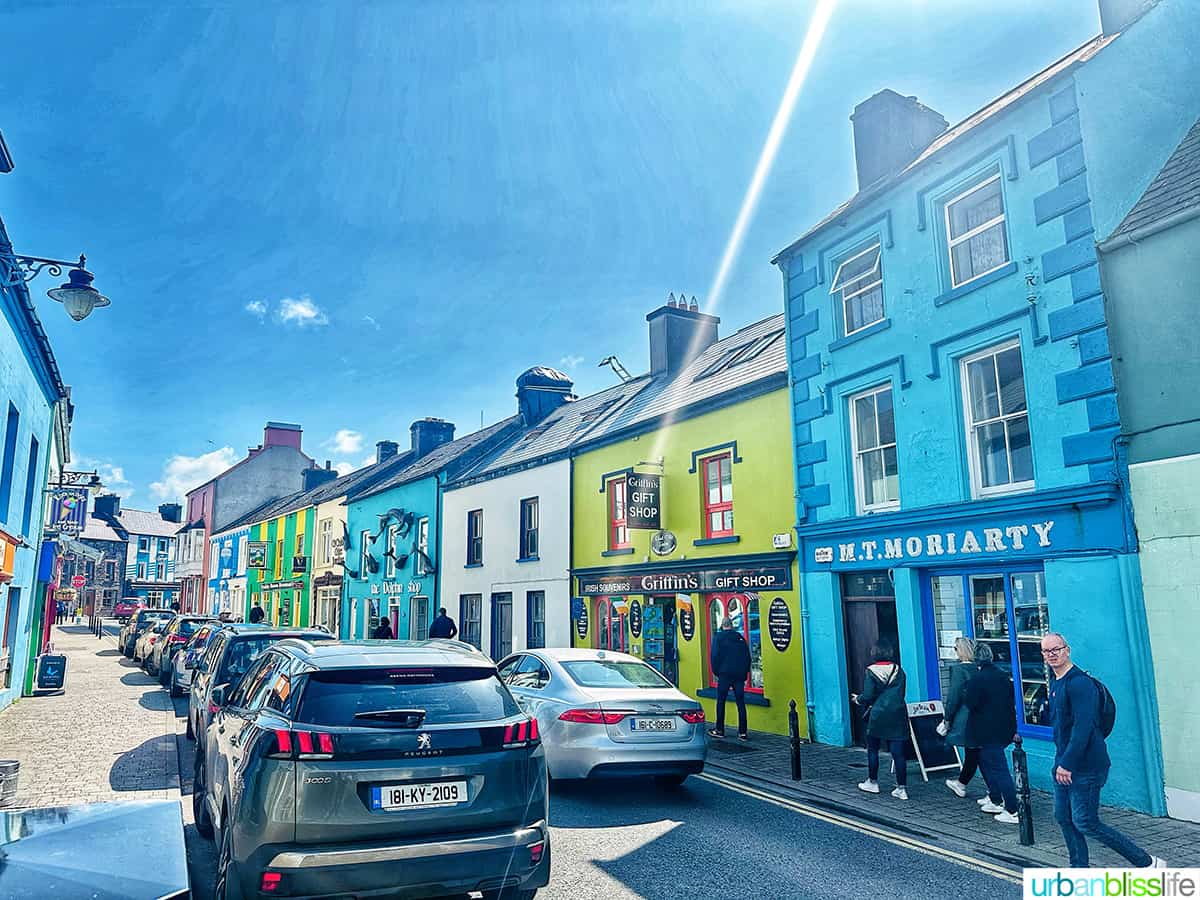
pixel 1174 189
pixel 139 521
pixel 953 133
pixel 99 530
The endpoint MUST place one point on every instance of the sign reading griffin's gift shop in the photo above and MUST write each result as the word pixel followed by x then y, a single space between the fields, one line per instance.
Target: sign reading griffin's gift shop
pixel 643 501
pixel 703 581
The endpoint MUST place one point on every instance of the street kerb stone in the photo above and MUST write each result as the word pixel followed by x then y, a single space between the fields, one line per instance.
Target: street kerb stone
pixel 109 735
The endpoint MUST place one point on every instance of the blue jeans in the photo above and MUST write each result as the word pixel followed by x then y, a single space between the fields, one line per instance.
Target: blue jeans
pixel 1077 811
pixel 896 748
pixel 994 766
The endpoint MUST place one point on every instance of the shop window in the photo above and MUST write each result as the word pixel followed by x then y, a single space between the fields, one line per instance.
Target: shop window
pixel 470 615
pixel 529 528
pixel 325 541
pixel 858 281
pixel 717 484
pixel 618 517
pixel 535 619
pixel 422 563
pixel 743 611
pixel 1010 613
pixel 873 438
pixel 998 447
pixel 390 568
pixel 611 626
pixel 475 537
pixel 975 236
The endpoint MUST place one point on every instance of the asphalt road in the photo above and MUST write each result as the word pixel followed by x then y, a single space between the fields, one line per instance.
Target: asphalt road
pixel 624 840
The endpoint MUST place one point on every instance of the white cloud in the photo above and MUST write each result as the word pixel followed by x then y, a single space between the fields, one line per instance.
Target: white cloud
pixel 345 440
pixel 181 473
pixel 570 361
pixel 257 308
pixel 302 313
pixel 343 467
pixel 370 320
pixel 111 475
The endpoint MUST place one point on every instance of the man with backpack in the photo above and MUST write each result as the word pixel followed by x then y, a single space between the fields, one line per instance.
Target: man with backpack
pixel 1082 712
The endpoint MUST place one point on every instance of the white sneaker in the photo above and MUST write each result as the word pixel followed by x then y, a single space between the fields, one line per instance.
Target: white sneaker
pixel 871 787
pixel 991 808
pixel 984 800
pixel 1007 818
pixel 957 786
pixel 900 793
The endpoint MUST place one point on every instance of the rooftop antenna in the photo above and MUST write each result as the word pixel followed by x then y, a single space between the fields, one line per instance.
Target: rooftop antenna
pixel 615 364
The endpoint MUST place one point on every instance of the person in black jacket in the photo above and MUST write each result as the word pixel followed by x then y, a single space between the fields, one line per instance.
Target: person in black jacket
pixel 730 661
pixel 383 632
pixel 257 614
pixel 990 727
pixel 443 626
pixel 882 699
pixel 954 726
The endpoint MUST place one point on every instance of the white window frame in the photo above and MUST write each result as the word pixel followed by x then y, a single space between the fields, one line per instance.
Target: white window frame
pixel 952 242
pixel 838 288
pixel 243 554
pixel 325 540
pixel 974 463
pixel 364 573
pixel 214 557
pixel 860 491
pixel 390 570
pixel 422 544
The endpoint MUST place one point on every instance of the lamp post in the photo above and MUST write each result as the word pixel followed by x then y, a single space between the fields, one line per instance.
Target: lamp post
pixel 76 295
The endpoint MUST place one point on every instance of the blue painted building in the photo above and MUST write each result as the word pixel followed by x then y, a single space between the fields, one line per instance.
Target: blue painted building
pixel 150 557
pixel 959 465
pixel 394 526
pixel 228 562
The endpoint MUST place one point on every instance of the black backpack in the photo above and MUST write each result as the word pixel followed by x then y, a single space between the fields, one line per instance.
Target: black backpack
pixel 1106 715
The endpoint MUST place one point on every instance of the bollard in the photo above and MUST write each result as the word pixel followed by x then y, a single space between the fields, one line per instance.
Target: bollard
pixel 1024 806
pixel 794 739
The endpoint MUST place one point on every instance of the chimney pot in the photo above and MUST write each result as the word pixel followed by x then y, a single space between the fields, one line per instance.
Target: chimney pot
pixel 890 131
pixel 671 299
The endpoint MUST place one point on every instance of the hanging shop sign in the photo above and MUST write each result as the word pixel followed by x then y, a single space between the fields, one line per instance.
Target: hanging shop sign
pixel 256 554
pixel 299 563
pixel 779 624
pixel 663 542
pixel 581 621
pixel 700 580
pixel 635 618
pixel 68 510
pixel 643 501
pixel 327 579
pixel 687 621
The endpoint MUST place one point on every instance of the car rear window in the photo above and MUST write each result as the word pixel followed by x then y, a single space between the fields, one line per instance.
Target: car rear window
pixel 242 652
pixel 147 615
pixel 188 627
pixel 613 673
pixel 446 695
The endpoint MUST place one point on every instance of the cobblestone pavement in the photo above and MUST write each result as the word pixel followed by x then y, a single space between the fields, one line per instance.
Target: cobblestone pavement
pixel 110 735
pixel 932 811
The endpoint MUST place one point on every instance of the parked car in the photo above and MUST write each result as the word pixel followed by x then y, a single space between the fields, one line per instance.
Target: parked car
pixel 373 769
pixel 178 630
pixel 179 679
pixel 139 621
pixel 605 714
pixel 145 643
pixel 230 653
pixel 126 607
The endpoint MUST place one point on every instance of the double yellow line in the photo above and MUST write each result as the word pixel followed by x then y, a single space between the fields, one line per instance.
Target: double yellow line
pixel 969 862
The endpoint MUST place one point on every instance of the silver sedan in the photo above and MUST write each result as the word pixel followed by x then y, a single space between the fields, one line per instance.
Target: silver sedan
pixel 605 714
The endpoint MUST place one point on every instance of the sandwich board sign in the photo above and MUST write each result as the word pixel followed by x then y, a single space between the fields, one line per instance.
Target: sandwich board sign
pixel 933 753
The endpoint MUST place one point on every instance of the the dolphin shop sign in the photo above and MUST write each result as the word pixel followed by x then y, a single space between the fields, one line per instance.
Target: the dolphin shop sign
pixel 1019 538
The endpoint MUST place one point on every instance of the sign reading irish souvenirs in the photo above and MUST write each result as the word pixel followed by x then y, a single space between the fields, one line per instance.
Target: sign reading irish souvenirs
pixel 643 501
pixel 702 581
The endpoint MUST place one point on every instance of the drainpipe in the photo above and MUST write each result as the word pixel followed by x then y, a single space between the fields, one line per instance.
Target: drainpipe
pixel 809 706
pixel 570 543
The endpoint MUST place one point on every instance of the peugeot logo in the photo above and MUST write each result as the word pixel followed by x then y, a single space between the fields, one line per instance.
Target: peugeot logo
pixel 424 741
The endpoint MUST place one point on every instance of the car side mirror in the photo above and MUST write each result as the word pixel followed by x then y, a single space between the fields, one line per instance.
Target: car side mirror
pixel 217 698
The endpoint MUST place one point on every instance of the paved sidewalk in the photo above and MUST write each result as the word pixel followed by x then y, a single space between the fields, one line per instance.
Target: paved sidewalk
pixel 831 775
pixel 109 736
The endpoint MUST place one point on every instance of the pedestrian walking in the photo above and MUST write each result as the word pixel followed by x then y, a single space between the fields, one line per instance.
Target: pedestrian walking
pixel 882 702
pixel 730 661
pixel 443 626
pixel 1081 762
pixel 383 632
pixel 990 727
pixel 60 612
pixel 257 614
pixel 954 725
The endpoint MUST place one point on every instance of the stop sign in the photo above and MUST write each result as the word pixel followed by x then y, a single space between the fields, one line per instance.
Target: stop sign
pixel 78 581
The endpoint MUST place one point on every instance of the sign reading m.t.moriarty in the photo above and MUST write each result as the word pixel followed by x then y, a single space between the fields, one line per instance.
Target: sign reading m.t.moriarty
pixel 643 501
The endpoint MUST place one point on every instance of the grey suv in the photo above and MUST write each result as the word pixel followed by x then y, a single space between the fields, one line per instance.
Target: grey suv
pixel 366 769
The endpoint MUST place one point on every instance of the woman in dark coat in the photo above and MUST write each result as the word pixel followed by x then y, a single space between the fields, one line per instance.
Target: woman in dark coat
pixel 383 631
pixel 954 728
pixel 887 717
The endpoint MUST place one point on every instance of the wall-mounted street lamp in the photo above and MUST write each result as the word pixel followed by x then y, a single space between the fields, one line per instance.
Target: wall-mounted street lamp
pixel 77 295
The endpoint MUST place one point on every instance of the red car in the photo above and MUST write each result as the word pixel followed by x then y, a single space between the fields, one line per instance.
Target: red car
pixel 125 608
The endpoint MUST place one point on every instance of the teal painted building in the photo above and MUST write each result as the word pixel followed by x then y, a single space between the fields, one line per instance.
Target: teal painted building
pixel 959 461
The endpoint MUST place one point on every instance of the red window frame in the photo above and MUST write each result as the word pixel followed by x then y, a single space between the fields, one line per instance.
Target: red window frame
pixel 711 627
pixel 618 515
pixel 724 503
pixel 607 618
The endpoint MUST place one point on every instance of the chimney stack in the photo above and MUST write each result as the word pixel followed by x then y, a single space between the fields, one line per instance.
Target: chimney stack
pixel 678 334
pixel 540 391
pixel 385 450
pixel 170 512
pixel 429 433
pixel 281 434
pixel 315 477
pixel 1117 15
pixel 890 131
pixel 106 506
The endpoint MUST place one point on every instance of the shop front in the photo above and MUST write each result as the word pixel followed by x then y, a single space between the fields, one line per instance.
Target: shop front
pixel 668 612
pixel 1003 574
pixel 280 601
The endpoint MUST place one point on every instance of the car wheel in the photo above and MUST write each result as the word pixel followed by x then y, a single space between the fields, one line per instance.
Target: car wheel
pixel 175 691
pixel 226 887
pixel 191 732
pixel 204 823
pixel 670 781
pixel 164 676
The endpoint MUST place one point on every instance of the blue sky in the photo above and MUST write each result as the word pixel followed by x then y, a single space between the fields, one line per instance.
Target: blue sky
pixel 352 215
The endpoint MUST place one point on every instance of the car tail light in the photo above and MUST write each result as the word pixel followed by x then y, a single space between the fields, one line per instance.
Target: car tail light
pixel 692 716
pixel 522 734
pixel 176 639
pixel 536 851
pixel 595 716
pixel 306 744
pixel 270 882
